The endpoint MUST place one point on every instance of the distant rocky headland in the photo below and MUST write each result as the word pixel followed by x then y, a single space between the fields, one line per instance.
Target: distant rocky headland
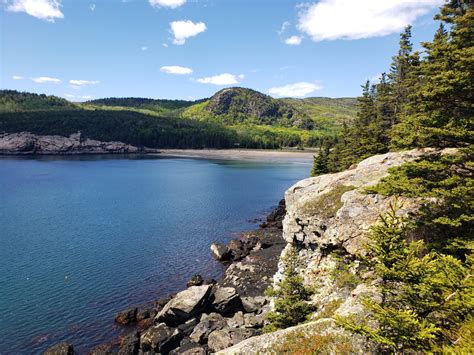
pixel 25 143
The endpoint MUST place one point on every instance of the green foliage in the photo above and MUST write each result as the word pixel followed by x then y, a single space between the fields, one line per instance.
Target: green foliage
pixel 14 101
pixel 291 296
pixel 425 294
pixel 143 103
pixel 446 223
pixel 344 277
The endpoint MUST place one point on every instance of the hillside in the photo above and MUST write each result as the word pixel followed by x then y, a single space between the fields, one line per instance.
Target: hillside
pixel 236 106
pixel 14 101
pixel 157 105
pixel 232 117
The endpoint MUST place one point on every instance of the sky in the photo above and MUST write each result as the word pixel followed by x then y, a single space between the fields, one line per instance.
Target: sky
pixel 189 49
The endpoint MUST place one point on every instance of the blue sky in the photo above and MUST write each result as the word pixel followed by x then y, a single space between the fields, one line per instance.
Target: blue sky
pixel 189 49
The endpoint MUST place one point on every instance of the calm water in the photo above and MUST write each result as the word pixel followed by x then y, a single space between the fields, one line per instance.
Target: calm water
pixel 84 237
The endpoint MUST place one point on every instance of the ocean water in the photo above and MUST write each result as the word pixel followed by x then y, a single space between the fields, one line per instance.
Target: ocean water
pixel 84 237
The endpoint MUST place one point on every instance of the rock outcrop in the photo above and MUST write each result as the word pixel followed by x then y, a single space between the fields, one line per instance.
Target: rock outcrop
pixel 26 143
pixel 328 220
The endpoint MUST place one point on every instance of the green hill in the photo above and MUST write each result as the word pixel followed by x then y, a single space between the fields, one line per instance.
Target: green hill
pixel 232 117
pixel 14 101
pixel 235 106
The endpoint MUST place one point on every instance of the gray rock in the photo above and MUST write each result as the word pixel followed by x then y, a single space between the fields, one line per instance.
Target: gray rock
pixel 63 348
pixel 240 334
pixel 236 321
pixel 219 339
pixel 208 324
pixel 254 304
pixel 220 252
pixel 188 347
pixel 226 301
pixel 160 338
pixel 188 326
pixel 185 305
pixel 129 345
pixel 27 143
pixel 253 321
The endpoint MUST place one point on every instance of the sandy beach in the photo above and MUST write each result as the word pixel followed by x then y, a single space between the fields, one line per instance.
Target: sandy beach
pixel 280 156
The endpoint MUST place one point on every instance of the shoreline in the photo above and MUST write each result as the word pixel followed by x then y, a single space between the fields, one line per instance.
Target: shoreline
pixel 250 261
pixel 257 155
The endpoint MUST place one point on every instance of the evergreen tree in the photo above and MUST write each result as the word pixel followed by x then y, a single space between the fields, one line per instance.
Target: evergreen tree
pixel 291 296
pixel 439 111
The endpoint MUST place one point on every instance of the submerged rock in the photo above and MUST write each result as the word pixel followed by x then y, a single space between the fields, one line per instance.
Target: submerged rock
pixel 127 316
pixel 63 348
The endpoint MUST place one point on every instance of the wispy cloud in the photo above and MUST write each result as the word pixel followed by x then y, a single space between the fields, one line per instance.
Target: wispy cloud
pixel 77 97
pixel 46 80
pixel 18 77
pixel 284 27
pixel 300 89
pixel 221 79
pixel 183 30
pixel 167 3
pixel 48 10
pixel 176 69
pixel 144 48
pixel 81 83
pixel 92 7
pixel 293 40
pixel 350 20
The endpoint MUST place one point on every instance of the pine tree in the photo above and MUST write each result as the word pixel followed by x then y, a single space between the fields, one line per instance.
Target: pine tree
pixel 291 296
pixel 440 112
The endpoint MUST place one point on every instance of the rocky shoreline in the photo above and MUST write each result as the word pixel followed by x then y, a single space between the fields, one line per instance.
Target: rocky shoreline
pixel 25 143
pixel 208 315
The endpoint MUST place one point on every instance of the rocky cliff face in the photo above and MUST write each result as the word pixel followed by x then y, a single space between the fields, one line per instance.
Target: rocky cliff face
pixel 28 143
pixel 328 219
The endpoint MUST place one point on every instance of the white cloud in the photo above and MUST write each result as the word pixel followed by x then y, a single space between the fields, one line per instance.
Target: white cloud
pixel 293 40
pixel 80 83
pixel 165 45
pixel 92 7
pixel 284 26
pixel 182 30
pixel 167 3
pixel 222 79
pixel 17 77
pixel 144 48
pixel 176 69
pixel 48 10
pixel 46 80
pixel 241 76
pixel 77 98
pixel 294 90
pixel 349 19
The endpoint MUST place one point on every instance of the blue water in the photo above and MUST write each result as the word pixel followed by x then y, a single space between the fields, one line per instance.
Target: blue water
pixel 84 237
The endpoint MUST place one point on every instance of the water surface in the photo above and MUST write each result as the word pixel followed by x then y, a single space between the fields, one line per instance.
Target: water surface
pixel 84 237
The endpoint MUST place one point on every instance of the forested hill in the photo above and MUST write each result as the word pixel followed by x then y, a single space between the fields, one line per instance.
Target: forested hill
pixel 233 117
pixel 14 101
pixel 143 103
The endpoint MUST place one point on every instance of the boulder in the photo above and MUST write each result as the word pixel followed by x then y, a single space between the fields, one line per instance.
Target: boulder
pixel 145 313
pixel 208 324
pixel 219 339
pixel 188 326
pixel 196 280
pixel 236 321
pixel 253 321
pixel 240 334
pixel 185 305
pixel 127 316
pixel 63 348
pixel 188 347
pixel 220 252
pixel 254 304
pixel 160 338
pixel 226 301
pixel 129 344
